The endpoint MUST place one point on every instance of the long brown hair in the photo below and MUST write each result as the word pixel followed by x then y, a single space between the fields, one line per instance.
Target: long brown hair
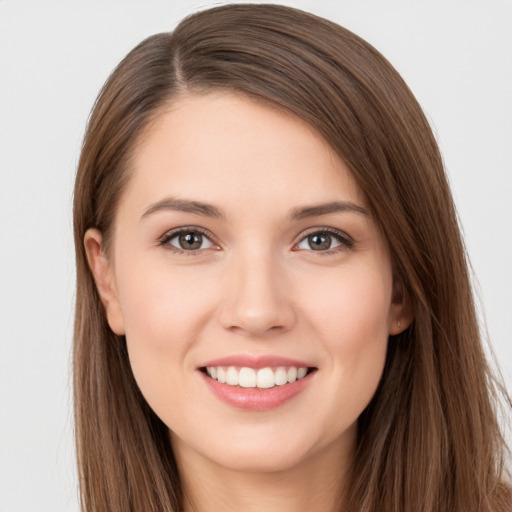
pixel 429 440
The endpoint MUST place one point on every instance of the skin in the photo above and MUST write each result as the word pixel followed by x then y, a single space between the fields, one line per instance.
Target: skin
pixel 255 287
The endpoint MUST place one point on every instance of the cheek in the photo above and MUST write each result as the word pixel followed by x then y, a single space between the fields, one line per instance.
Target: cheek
pixel 164 310
pixel 162 306
pixel 353 319
pixel 353 304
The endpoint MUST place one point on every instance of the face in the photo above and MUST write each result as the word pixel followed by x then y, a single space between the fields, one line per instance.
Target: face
pixel 252 284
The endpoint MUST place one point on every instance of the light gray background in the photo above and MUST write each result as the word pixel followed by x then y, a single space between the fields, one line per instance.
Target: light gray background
pixel 54 56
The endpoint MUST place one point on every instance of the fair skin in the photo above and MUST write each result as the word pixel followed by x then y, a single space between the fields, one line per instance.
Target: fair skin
pixel 278 258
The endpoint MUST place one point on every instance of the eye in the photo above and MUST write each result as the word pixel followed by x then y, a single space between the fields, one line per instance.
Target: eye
pixel 189 240
pixel 324 241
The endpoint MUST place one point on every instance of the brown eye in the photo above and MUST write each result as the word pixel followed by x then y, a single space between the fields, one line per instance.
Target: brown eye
pixel 324 241
pixel 319 241
pixel 188 240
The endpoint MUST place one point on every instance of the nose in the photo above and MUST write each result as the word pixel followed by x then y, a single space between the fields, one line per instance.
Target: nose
pixel 257 301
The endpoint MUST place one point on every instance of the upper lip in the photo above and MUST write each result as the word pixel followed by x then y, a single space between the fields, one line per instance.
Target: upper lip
pixel 256 362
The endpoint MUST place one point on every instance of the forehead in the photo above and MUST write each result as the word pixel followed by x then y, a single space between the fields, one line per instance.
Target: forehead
pixel 226 149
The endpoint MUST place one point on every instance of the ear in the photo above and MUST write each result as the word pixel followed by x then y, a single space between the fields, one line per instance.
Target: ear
pixel 401 313
pixel 103 274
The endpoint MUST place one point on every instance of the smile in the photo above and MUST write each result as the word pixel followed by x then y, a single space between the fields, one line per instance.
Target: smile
pixel 256 383
pixel 263 378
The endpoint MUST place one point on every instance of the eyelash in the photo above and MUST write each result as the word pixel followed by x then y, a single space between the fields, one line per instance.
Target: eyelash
pixel 170 235
pixel 345 241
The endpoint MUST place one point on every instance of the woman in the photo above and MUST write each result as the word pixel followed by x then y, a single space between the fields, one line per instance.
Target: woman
pixel 273 304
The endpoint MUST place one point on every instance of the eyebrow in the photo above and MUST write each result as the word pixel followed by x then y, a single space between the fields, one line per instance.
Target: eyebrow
pixel 184 205
pixel 209 210
pixel 325 209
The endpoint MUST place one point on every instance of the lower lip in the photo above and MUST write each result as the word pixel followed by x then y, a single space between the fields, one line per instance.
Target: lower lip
pixel 256 399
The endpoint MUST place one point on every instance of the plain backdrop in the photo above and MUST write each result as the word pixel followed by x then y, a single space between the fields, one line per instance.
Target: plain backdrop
pixel 54 56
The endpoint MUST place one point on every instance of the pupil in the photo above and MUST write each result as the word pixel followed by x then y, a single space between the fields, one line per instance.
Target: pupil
pixel 191 241
pixel 319 242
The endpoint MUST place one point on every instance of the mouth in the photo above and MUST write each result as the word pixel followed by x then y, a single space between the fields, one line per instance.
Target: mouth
pixel 259 378
pixel 256 383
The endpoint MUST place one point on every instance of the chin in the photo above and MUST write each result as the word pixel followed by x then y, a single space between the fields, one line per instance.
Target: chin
pixel 271 449
pixel 249 459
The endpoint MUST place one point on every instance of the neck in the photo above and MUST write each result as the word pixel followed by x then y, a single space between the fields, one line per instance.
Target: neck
pixel 317 483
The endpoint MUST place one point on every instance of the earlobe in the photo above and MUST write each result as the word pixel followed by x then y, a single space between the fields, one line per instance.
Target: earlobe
pixel 103 274
pixel 401 315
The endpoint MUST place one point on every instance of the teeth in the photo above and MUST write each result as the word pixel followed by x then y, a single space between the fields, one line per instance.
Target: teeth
pixel 221 375
pixel 281 376
pixel 292 374
pixel 301 372
pixel 264 378
pixel 232 376
pixel 247 378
